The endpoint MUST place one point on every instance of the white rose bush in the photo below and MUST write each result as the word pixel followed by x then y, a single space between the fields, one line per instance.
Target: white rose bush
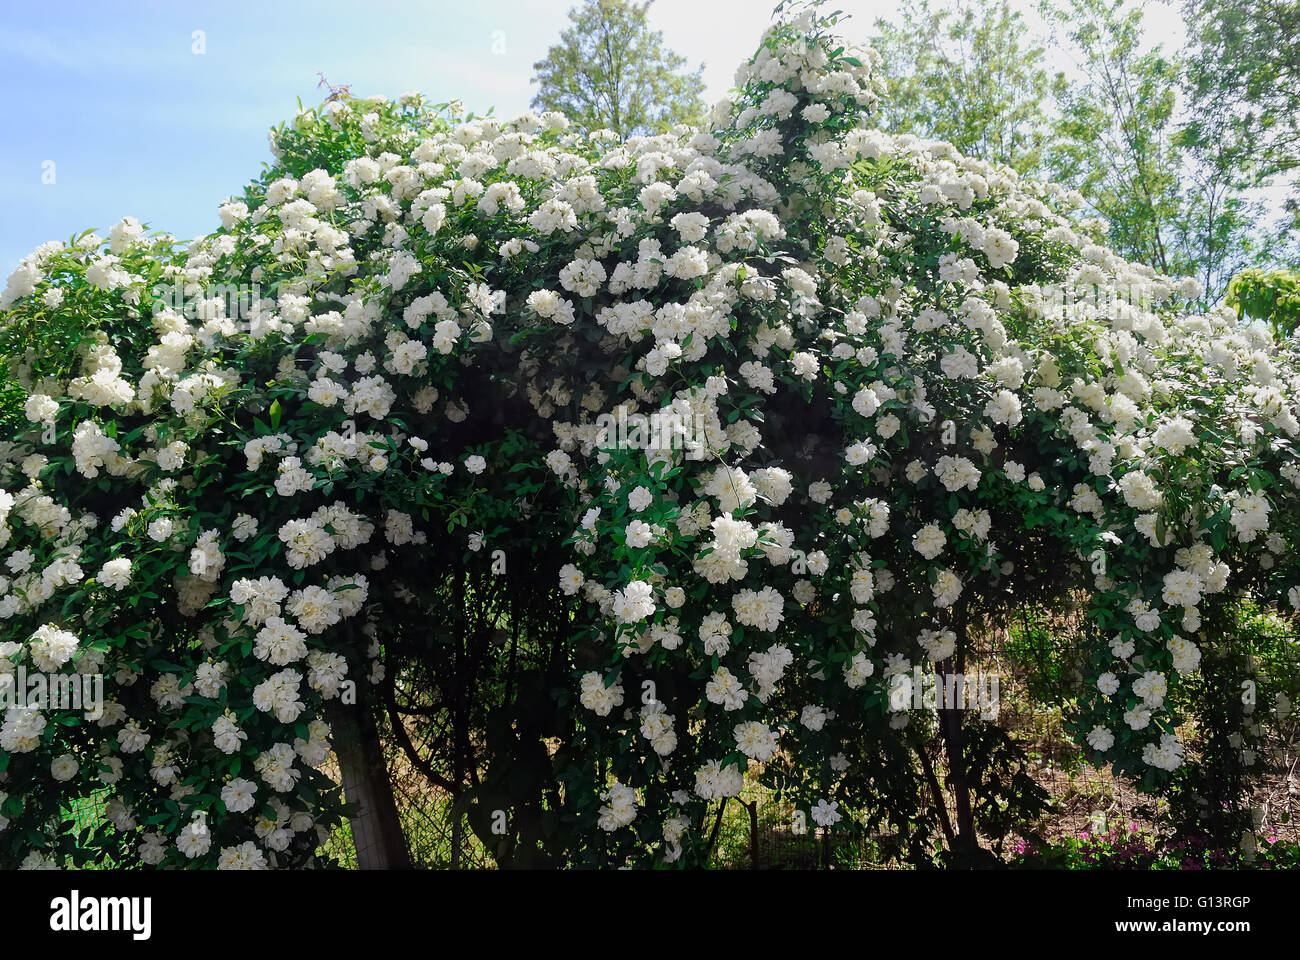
pixel 905 389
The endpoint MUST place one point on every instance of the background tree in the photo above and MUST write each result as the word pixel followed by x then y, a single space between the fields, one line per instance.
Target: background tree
pixel 970 74
pixel 610 70
pixel 1244 64
pixel 1171 199
pixel 1269 295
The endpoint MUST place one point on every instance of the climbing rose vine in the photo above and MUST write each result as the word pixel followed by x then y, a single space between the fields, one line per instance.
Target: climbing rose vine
pixel 792 399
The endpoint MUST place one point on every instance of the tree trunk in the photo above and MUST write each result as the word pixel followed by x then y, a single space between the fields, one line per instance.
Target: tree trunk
pixel 376 829
pixel 717 825
pixel 936 795
pixel 965 843
pixel 457 834
pixel 752 807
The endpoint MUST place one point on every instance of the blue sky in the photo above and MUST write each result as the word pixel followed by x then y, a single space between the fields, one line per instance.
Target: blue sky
pixel 136 123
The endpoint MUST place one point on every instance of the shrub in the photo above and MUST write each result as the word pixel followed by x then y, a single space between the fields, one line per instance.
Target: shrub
pixel 906 391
